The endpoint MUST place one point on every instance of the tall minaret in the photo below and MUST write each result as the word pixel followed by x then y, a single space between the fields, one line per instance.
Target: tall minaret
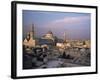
pixel 32 31
pixel 33 28
pixel 64 36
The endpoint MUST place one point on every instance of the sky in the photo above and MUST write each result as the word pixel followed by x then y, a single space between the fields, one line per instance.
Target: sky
pixel 76 25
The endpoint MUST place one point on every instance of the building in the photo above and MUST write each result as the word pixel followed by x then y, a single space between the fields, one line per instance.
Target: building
pixel 48 42
pixel 30 41
pixel 49 35
pixel 48 39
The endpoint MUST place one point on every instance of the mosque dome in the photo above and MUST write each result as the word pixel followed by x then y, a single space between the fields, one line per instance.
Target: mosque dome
pixel 49 32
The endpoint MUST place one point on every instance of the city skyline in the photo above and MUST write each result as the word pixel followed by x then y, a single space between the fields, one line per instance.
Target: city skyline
pixel 76 25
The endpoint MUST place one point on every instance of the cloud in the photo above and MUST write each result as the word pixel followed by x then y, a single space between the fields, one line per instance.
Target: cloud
pixel 68 21
pixel 71 19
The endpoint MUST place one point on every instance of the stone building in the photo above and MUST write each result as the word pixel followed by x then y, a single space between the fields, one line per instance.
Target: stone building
pixel 49 35
pixel 30 41
pixel 48 39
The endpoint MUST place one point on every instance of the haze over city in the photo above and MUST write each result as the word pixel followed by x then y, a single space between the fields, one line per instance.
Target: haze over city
pixel 76 25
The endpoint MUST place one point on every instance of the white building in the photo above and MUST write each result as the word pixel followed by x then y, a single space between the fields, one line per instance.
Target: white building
pixel 49 35
pixel 29 41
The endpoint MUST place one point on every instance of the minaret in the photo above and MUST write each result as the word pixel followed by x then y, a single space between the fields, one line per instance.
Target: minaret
pixel 33 28
pixel 64 36
pixel 32 31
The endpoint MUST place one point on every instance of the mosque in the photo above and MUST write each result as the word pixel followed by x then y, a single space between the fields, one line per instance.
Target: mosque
pixel 48 35
pixel 30 41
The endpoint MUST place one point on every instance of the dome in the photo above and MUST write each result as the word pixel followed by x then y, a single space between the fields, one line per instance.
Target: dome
pixel 49 32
